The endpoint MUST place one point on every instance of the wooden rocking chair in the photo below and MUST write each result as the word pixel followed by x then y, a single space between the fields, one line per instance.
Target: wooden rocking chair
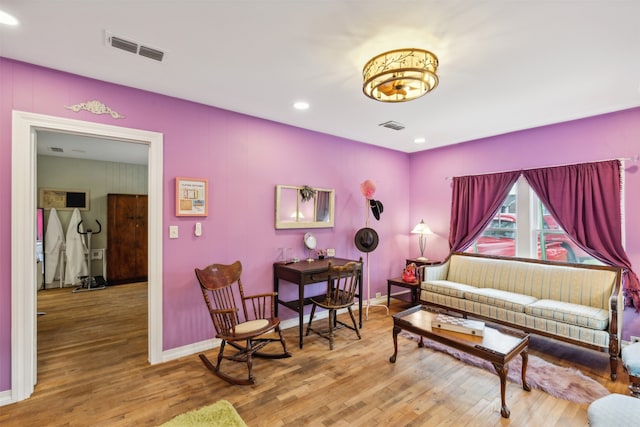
pixel 248 335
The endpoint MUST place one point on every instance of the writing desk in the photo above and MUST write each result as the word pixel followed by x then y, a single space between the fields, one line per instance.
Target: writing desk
pixel 305 273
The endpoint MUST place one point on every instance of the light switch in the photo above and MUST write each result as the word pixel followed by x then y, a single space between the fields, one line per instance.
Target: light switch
pixel 198 230
pixel 173 231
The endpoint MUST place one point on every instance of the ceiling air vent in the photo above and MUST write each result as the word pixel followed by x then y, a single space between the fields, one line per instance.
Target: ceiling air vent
pixel 133 47
pixel 56 149
pixel 123 44
pixel 151 53
pixel 392 125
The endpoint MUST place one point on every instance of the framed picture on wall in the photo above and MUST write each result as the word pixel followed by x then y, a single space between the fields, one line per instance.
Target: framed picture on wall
pixel 191 196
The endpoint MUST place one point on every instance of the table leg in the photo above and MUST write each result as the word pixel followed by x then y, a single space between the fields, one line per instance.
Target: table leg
pixel 396 331
pixel 525 359
pixel 276 288
pixel 300 311
pixel 502 373
pixel 360 299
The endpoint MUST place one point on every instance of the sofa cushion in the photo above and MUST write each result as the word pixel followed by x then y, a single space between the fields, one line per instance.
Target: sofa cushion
pixel 446 287
pixel 498 298
pixel 573 314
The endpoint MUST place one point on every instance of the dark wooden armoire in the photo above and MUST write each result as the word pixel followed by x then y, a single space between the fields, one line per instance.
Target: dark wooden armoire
pixel 127 243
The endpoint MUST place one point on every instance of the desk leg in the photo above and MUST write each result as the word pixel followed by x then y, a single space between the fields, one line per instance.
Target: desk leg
pixel 276 288
pixel 300 311
pixel 360 301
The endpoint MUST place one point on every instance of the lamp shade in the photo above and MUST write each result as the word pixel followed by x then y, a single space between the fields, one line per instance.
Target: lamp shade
pixel 400 75
pixel 421 228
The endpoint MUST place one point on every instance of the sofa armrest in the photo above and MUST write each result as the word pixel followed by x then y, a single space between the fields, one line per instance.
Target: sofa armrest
pixel 434 272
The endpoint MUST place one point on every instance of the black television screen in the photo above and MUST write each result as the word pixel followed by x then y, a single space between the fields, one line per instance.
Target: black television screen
pixel 76 200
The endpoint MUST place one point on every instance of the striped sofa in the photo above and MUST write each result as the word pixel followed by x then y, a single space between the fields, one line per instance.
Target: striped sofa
pixel 579 304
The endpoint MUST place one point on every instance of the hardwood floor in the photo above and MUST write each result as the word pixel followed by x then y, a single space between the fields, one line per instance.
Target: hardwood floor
pixel 93 371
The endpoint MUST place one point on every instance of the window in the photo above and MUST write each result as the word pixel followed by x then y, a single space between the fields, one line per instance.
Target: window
pixel 524 228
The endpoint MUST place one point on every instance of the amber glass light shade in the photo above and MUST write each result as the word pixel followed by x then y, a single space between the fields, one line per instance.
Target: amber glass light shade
pixel 400 75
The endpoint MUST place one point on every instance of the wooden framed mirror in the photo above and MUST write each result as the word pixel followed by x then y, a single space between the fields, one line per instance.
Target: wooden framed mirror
pixel 304 207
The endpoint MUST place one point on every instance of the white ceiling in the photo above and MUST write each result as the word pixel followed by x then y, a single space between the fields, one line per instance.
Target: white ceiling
pixel 57 144
pixel 504 65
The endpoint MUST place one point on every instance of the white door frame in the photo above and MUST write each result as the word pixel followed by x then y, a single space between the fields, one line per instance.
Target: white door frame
pixel 23 251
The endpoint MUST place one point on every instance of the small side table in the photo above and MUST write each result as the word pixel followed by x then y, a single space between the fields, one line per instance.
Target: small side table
pixel 413 287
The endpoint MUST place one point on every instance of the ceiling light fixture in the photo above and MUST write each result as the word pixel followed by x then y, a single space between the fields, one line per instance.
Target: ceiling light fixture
pixel 400 75
pixel 301 105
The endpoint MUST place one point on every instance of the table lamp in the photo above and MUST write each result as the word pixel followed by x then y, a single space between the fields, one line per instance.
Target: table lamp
pixel 422 229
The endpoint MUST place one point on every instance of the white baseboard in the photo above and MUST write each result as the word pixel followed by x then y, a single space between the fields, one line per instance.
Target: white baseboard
pixel 199 347
pixel 188 350
pixel 5 398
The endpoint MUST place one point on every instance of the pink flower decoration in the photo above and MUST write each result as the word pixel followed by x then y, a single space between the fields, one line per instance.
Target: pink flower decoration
pixel 368 189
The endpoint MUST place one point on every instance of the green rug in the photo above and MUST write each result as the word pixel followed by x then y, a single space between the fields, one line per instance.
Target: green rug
pixel 220 414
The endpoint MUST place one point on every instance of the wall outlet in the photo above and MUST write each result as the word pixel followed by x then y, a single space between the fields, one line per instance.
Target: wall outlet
pixel 378 294
pixel 635 339
pixel 96 254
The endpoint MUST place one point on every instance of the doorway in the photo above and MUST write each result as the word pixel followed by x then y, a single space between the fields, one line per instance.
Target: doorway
pixel 23 211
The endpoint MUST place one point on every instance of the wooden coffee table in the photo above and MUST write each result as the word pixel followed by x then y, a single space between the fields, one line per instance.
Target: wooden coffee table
pixel 497 346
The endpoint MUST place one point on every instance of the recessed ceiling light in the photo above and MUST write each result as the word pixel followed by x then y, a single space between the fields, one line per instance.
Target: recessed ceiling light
pixel 420 140
pixel 7 19
pixel 301 105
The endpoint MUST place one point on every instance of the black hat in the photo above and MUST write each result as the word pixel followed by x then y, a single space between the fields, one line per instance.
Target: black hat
pixel 376 208
pixel 366 239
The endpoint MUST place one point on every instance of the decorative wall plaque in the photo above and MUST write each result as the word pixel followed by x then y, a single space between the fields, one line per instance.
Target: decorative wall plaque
pixel 95 107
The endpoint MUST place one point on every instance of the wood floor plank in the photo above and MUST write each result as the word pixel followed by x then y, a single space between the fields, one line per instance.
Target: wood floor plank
pixel 93 371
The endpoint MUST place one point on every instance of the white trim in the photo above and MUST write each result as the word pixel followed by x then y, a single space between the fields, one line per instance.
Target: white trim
pixel 23 211
pixel 188 350
pixel 5 397
pixel 623 206
pixel 199 347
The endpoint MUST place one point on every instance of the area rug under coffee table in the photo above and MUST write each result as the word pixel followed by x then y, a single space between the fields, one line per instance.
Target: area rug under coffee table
pixel 220 414
pixel 564 383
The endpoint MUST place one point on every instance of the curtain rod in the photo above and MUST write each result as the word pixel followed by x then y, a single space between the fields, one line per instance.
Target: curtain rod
pixel 622 159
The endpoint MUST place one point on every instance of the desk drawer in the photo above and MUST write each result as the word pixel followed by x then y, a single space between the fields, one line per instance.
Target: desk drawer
pixel 315 277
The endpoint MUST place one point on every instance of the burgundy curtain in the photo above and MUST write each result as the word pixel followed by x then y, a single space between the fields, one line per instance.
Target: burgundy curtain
pixel 585 201
pixel 475 201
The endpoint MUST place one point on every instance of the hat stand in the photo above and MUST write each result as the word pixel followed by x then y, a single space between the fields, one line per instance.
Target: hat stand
pixel 368 279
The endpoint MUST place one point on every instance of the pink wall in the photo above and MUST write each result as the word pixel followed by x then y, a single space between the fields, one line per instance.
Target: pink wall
pixel 244 158
pixel 609 136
